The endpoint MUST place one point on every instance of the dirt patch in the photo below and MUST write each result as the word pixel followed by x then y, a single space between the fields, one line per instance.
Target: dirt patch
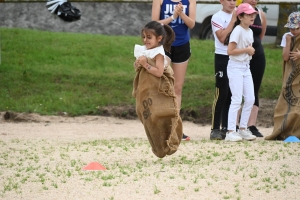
pixel 266 113
pixel 201 116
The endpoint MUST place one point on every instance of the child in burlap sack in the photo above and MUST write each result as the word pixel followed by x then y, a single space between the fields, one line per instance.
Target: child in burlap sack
pixel 287 110
pixel 153 88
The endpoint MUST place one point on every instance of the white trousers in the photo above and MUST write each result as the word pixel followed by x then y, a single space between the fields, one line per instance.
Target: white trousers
pixel 241 85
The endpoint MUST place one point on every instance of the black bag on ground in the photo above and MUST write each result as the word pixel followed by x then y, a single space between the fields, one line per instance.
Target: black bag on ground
pixel 68 13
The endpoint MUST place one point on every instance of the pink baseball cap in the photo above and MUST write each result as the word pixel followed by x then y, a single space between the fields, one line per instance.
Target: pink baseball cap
pixel 245 8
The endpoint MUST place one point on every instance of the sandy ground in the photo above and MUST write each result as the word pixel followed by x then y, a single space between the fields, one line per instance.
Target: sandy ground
pixel 90 127
pixel 44 160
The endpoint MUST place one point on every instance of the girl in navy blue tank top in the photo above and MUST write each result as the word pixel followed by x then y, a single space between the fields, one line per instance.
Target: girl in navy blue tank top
pixel 180 15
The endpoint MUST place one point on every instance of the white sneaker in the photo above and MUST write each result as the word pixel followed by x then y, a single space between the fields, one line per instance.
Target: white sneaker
pixel 233 137
pixel 247 135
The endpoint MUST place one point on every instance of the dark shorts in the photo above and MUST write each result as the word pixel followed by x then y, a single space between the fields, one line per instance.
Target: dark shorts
pixel 180 54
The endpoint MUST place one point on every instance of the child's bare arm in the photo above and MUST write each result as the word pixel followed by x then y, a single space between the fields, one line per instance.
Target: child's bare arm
pixel 286 49
pixel 263 24
pixel 156 70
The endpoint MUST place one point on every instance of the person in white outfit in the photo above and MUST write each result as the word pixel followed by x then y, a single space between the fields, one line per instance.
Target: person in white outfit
pixel 240 52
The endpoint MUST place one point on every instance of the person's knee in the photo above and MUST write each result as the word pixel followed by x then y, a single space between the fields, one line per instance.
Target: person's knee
pixel 224 92
pixel 178 89
pixel 249 100
pixel 236 100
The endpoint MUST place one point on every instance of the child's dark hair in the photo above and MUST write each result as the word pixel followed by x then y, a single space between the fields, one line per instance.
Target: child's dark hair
pixel 237 22
pixel 158 29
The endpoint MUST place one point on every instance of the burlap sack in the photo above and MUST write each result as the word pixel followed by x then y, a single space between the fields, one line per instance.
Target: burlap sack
pixel 157 109
pixel 287 110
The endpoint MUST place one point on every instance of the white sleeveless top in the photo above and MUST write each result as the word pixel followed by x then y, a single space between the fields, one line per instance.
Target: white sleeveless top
pixel 141 50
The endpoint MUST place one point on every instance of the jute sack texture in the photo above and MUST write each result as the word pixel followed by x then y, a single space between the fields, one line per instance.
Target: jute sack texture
pixel 287 110
pixel 157 109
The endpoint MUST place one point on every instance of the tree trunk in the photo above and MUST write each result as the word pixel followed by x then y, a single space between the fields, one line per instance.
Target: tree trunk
pixel 285 9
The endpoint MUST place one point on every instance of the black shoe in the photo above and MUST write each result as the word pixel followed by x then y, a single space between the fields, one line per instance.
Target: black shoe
pixel 223 132
pixel 185 137
pixel 215 134
pixel 255 131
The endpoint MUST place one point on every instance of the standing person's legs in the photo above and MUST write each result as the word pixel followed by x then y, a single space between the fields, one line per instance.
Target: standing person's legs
pixel 257 67
pixel 180 58
pixel 235 78
pixel 220 98
pixel 225 112
pixel 179 74
pixel 248 93
pixel 236 87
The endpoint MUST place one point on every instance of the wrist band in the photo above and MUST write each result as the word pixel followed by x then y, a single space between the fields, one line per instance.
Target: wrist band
pixel 172 16
pixel 149 66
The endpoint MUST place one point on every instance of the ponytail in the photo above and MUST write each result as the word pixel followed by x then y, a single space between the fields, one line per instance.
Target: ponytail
pixel 169 38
